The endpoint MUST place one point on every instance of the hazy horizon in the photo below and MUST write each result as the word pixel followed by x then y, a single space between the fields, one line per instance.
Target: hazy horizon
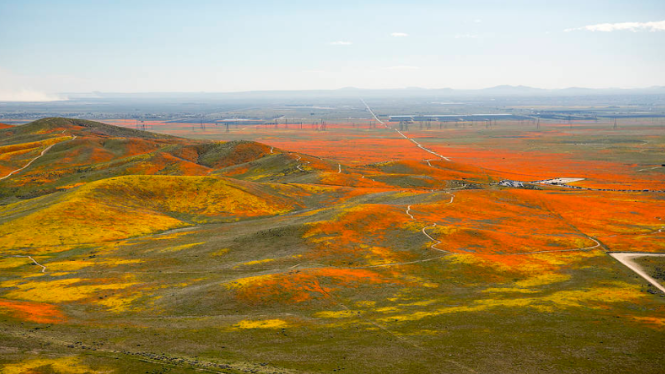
pixel 217 47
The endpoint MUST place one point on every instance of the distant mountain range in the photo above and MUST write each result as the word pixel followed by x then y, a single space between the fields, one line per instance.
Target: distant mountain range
pixel 497 91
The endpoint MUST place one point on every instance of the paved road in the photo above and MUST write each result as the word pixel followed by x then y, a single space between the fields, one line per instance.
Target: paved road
pixel 373 115
pixel 404 136
pixel 627 259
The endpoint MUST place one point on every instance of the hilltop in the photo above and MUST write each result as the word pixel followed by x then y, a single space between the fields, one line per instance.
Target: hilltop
pixel 79 127
pixel 84 151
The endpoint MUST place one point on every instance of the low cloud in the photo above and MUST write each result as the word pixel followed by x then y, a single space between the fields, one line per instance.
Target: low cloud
pixel 399 35
pixel 26 95
pixel 341 42
pixel 478 21
pixel 623 26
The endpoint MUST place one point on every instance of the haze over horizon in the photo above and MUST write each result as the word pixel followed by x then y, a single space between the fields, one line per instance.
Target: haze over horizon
pixel 147 46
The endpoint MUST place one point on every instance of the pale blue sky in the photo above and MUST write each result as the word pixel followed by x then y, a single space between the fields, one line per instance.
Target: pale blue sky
pixel 218 46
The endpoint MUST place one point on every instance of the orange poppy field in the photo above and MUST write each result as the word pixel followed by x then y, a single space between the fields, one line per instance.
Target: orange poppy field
pixel 355 248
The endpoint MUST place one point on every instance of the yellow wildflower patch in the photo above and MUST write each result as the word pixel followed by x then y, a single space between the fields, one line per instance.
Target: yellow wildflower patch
pixel 13 262
pixel 118 303
pixel 542 279
pixel 366 304
pixel 180 247
pixel 64 365
pixel 220 252
pixel 245 282
pixel 337 314
pixel 562 299
pixel 262 324
pixel 256 262
pixel 57 291
pixel 65 266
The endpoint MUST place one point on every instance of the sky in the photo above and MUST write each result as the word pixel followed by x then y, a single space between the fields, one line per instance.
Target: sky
pixel 48 48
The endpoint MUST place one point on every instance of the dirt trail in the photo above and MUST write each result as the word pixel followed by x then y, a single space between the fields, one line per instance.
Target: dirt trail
pixel 436 242
pixel 408 210
pixel 560 250
pixel 452 198
pixel 36 263
pixel 627 259
pixel 299 166
pixel 33 160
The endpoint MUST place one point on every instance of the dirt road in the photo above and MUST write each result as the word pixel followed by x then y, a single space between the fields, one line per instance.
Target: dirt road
pixel 627 259
pixel 404 136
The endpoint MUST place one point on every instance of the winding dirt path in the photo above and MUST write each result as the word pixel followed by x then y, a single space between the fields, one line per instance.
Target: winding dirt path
pixel 408 210
pixel 560 250
pixel 33 260
pixel 627 259
pixel 436 242
pixel 38 264
pixel 299 166
pixel 34 159
pixel 452 198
